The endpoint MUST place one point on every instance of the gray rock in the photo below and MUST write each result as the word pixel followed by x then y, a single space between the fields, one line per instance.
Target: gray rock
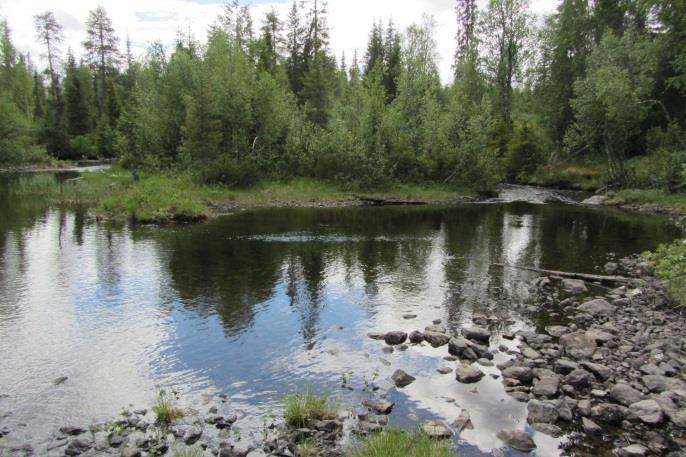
pixel 557 330
pixel 77 447
pixel 436 328
pixel 601 372
pixel 658 384
pixel 477 334
pixel 192 435
pixel 71 430
pixel 565 366
pixel 436 430
pixel 379 406
pixel 416 337
pixel 402 379
pixel 542 412
pixel 529 353
pixel 445 370
pixel 468 374
pixel 521 374
pixel 376 335
pixel 547 429
pixel 517 440
pixel 590 427
pixel 394 338
pixel 409 316
pixel 574 286
pixel 547 387
pixel 131 452
pixel 625 394
pixel 633 450
pixel 598 307
pixel 609 413
pixel 648 411
pixel 578 345
pixel 579 378
pixel 596 200
pixel 436 339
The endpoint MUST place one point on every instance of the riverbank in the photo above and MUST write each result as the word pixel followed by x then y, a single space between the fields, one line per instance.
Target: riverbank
pixel 611 380
pixel 163 198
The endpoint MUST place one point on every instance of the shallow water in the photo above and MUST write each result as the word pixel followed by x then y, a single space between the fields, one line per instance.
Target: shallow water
pixel 266 302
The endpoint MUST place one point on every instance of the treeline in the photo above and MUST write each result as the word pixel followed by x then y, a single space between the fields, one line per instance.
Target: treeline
pixel 599 80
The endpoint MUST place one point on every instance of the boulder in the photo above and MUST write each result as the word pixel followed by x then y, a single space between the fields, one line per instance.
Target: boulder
pixel 402 379
pixel 633 450
pixel 379 406
pixel 547 429
pixel 557 330
pixel 468 374
pixel 574 286
pixel 598 307
pixel 436 339
pixel 517 440
pixel 648 411
pixel 542 412
pixel 601 372
pixel 578 345
pixel 609 413
pixel 416 337
pixel 394 338
pixel 625 394
pixel 477 334
pixel 579 378
pixel 590 427
pixel 520 373
pixel 436 430
pixel 547 386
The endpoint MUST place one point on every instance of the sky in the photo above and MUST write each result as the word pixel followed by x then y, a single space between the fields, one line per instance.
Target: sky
pixel 145 21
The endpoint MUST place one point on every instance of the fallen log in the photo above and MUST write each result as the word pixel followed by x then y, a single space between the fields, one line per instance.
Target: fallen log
pixel 603 279
pixel 370 201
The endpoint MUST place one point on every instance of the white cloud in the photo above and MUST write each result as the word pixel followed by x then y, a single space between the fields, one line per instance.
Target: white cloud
pixel 148 20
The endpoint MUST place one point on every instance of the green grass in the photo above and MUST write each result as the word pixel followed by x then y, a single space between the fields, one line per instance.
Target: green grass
pixel 165 409
pixel 669 261
pixel 394 443
pixel 302 408
pixel 674 202
pixel 187 452
pixel 308 448
pixel 167 196
pixel 588 175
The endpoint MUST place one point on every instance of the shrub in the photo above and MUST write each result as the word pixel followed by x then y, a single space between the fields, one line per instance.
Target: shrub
pixel 669 261
pixel 230 173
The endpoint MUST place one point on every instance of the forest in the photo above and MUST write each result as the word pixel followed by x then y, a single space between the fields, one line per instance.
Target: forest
pixel 592 95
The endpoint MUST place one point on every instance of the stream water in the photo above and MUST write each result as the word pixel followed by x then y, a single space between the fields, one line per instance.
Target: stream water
pixel 266 302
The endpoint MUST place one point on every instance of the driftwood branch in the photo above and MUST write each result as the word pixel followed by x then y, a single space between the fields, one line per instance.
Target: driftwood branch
pixel 571 275
pixel 387 202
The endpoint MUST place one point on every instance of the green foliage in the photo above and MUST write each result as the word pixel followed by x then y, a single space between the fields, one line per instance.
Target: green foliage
pixel 165 409
pixel 187 451
pixel 669 261
pixel 524 151
pixel 392 442
pixel 302 408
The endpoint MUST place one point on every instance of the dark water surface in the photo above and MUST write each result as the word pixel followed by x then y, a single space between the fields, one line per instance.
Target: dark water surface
pixel 267 302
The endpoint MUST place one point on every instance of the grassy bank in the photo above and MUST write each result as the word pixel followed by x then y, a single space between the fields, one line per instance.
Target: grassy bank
pixel 674 203
pixel 164 197
pixel 669 262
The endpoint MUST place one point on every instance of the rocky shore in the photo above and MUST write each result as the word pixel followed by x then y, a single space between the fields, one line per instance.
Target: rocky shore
pixel 612 378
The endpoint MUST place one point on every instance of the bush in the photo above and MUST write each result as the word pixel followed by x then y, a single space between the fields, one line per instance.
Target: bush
pixel 524 152
pixel 230 173
pixel 393 443
pixel 301 408
pixel 669 261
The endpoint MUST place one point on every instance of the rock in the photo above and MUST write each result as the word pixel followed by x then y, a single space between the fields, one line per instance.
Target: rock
pixel 402 379
pixel 192 435
pixel 394 338
pixel 648 411
pixel 574 286
pixel 76 447
pixel 436 429
pixel 579 378
pixel 131 452
pixel 329 425
pixel 445 370
pixel 379 406
pixel 601 372
pixel 633 450
pixel 596 200
pixel 611 268
pixel 60 380
pixel 71 430
pixel 468 374
pixel 521 374
pixel 564 366
pixel 547 386
pixel 590 427
pixel 625 394
pixel 658 384
pixel 115 440
pixel 463 421
pixel 609 413
pixel 409 316
pixel 517 440
pixel 578 345
pixel 601 338
pixel 542 411
pixel 557 330
pixel 547 429
pixel 598 307
pixel 529 353
pixel 376 335
pixel 416 337
pixel 477 334
pixel 436 339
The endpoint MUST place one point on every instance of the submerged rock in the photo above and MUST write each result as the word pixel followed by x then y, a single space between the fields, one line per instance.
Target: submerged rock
pixel 517 440
pixel 395 338
pixel 468 374
pixel 402 379
pixel 436 429
pixel 379 406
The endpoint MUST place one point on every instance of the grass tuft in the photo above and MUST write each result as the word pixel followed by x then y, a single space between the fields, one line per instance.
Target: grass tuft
pixel 165 409
pixel 394 443
pixel 301 408
pixel 187 452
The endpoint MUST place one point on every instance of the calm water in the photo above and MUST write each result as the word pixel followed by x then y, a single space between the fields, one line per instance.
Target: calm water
pixel 265 302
